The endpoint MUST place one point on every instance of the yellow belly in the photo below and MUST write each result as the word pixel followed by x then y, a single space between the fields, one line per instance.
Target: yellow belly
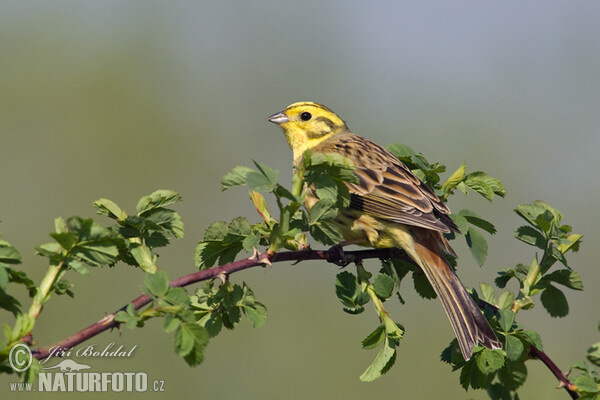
pixel 365 230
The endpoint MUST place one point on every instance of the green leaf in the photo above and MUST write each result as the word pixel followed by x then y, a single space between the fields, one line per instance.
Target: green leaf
pixel 261 205
pixel 189 337
pixel 586 384
pixel 477 244
pixel 157 283
pixel 9 254
pixel 571 242
pixel 476 220
pixel 251 241
pixel 505 301
pixel 109 208
pixel 166 219
pixel 555 302
pixel 531 337
pixel 506 319
pixel 565 277
pixel 216 231
pixel 383 286
pixel 594 354
pixel 478 182
pixel 382 363
pixel 374 339
pixel 238 229
pixel 487 293
pixel 322 209
pixel 540 215
pixel 472 376
pixel 3 279
pixel 422 285
pixel 177 296
pixel 531 236
pixel 488 361
pixel 206 254
pixel 170 323
pixel 256 313
pixel 454 179
pixel 66 239
pixel 236 177
pixel 143 257
pixel 460 221
pixel 326 233
pixel 514 347
pixel 159 198
pixel 401 151
pixel 264 180
pixel 346 288
pixel 484 184
pixel 513 374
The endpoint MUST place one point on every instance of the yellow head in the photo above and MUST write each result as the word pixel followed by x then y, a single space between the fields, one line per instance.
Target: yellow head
pixel 307 124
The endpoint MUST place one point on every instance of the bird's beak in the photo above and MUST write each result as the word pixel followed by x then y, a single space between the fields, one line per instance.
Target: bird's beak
pixel 279 118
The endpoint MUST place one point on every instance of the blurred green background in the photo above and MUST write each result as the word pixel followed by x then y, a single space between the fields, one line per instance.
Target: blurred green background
pixel 116 99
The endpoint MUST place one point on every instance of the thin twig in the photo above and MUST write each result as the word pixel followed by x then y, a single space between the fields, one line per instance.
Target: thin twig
pixel 562 378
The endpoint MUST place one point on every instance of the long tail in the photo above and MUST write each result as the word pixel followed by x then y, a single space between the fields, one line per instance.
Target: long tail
pixel 470 326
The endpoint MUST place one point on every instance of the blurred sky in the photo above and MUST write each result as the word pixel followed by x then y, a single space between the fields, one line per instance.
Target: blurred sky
pixel 116 99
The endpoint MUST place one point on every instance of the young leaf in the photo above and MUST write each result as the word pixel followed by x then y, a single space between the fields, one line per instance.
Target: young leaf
pixel 454 179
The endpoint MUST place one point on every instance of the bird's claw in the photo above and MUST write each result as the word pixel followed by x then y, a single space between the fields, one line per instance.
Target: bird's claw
pixel 337 256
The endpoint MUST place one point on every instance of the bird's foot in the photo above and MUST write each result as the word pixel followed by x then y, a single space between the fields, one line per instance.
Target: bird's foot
pixel 337 256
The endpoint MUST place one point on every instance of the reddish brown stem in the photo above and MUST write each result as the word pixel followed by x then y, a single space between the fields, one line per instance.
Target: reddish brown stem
pixel 562 378
pixel 543 357
pixel 109 322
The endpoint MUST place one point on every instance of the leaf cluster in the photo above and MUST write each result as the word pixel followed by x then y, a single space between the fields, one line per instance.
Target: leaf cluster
pixel 544 232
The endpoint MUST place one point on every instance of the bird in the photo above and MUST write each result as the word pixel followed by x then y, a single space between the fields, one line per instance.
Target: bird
pixel 389 208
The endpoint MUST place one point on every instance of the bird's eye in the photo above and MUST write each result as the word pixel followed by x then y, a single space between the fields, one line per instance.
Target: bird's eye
pixel 305 116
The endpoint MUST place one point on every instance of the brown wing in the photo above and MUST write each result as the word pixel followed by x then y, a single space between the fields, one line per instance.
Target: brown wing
pixel 387 188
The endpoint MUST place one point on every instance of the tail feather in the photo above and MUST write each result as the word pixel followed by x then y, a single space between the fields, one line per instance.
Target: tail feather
pixel 469 325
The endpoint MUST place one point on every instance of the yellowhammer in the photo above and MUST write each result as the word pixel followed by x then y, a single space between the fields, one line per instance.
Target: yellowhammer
pixel 390 207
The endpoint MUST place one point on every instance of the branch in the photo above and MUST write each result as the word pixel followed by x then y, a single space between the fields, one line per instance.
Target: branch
pixel 562 378
pixel 543 357
pixel 108 322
